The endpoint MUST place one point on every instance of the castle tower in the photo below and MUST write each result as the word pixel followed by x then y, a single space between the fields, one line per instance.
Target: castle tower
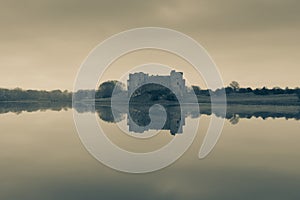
pixel 135 81
pixel 177 83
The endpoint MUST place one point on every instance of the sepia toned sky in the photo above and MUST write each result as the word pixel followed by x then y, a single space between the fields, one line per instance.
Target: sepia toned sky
pixel 44 42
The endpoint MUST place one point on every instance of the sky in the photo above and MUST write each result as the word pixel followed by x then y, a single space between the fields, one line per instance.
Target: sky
pixel 254 42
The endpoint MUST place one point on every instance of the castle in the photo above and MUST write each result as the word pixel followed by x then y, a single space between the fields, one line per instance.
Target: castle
pixel 174 82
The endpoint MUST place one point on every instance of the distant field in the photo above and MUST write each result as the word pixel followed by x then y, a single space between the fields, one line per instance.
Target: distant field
pixel 280 99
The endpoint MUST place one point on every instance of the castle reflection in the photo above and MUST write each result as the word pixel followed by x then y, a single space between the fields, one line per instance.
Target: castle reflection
pixel 138 119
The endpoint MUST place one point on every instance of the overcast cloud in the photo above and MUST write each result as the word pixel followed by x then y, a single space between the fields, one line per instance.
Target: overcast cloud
pixel 44 42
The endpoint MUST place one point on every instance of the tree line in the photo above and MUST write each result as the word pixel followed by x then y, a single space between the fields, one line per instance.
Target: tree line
pixel 18 94
pixel 234 88
pixel 106 89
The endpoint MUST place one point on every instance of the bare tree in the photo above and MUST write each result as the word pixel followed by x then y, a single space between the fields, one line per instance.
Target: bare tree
pixel 234 85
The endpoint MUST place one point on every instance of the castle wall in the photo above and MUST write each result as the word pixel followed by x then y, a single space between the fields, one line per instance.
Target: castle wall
pixel 175 81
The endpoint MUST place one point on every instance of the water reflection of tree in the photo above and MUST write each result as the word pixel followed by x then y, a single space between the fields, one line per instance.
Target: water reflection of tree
pixel 234 113
pixel 140 114
pixel 19 107
pixel 234 119
pixel 105 113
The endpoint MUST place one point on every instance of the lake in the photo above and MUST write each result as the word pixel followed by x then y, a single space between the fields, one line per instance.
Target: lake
pixel 257 156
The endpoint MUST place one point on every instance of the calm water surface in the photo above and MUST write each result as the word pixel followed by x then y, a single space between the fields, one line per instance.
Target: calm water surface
pixel 43 158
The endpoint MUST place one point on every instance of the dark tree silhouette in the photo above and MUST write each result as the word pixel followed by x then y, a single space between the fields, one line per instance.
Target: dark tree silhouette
pixel 34 95
pixel 196 89
pixel 153 92
pixel 263 91
pixel 298 93
pixel 106 89
pixel 234 85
